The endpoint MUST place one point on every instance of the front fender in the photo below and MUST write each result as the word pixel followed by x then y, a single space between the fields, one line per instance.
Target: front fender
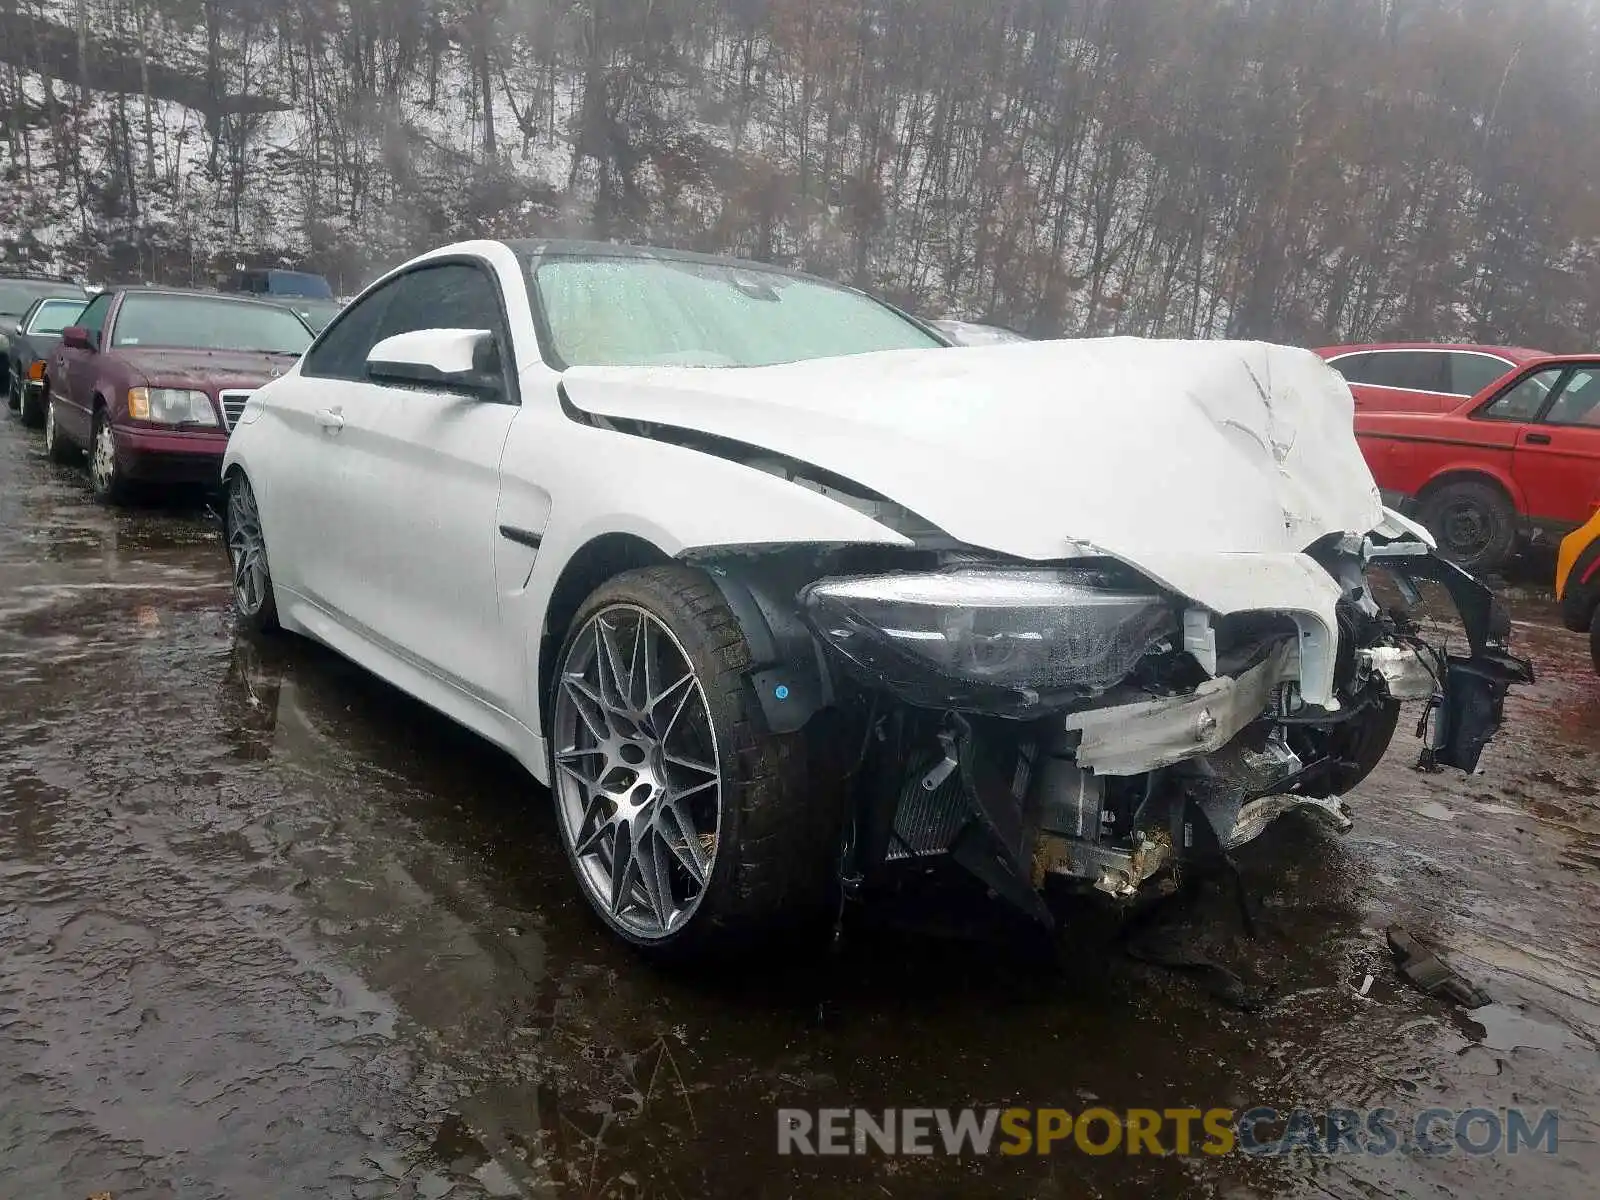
pixel 1465 468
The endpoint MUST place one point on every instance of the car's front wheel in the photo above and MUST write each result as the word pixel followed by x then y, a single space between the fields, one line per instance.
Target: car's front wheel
pixel 56 448
pixel 105 474
pixel 689 824
pixel 254 601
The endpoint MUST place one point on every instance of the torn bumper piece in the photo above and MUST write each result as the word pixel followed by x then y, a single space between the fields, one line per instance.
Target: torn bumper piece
pixel 1130 739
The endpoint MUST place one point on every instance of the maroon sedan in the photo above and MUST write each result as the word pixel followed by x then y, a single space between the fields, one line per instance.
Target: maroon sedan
pixel 151 380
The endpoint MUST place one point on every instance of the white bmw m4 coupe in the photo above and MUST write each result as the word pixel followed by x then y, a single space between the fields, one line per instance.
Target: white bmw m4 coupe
pixel 781 594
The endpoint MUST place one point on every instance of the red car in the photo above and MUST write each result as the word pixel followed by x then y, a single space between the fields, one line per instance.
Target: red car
pixel 150 380
pixel 1429 377
pixel 1521 457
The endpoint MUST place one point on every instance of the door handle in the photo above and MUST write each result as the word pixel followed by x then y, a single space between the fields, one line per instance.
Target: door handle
pixel 1537 439
pixel 331 418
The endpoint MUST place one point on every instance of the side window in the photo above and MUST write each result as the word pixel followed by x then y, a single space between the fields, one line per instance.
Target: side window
pixel 341 352
pixel 1522 401
pixel 1473 373
pixel 93 317
pixel 1412 370
pixel 1353 367
pixel 448 296
pixel 1579 402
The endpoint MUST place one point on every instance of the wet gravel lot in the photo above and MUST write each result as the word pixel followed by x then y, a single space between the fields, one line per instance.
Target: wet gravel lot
pixel 268 928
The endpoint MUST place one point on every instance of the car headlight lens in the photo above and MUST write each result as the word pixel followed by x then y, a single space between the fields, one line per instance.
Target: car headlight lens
pixel 171 406
pixel 990 640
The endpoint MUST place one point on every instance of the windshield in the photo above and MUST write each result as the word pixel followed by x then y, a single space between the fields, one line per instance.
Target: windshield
pixel 637 312
pixel 17 294
pixel 52 316
pixel 964 333
pixel 208 323
pixel 315 313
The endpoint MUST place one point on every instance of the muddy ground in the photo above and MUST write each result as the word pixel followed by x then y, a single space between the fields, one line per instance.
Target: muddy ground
pixel 268 928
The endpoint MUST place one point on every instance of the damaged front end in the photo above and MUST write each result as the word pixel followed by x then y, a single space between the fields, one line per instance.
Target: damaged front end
pixel 1085 723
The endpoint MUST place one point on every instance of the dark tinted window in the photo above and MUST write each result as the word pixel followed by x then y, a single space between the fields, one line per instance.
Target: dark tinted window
pixel 449 296
pixel 1353 367
pixel 1523 401
pixel 285 283
pixel 1413 370
pixel 342 352
pixel 93 317
pixel 207 323
pixel 1579 399
pixel 1472 373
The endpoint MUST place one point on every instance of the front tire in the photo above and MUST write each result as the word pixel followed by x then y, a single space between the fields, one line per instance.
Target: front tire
pixel 1474 523
pixel 56 448
pixel 254 601
pixel 105 475
pixel 30 410
pixel 689 824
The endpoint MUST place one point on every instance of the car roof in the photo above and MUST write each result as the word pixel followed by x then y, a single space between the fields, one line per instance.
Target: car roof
pixel 152 289
pixel 30 278
pixel 1517 354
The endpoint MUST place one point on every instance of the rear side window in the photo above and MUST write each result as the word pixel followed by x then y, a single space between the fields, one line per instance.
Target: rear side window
pixel 1523 401
pixel 1410 370
pixel 1472 373
pixel 1353 367
pixel 341 353
pixel 52 316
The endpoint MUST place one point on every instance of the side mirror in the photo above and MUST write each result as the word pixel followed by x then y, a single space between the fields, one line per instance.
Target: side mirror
pixel 76 337
pixel 451 360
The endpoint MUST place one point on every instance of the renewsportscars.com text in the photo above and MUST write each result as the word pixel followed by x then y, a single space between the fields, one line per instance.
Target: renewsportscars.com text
pixel 1180 1131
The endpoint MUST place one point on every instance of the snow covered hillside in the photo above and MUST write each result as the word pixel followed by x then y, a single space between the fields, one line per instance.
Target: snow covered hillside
pixel 1278 168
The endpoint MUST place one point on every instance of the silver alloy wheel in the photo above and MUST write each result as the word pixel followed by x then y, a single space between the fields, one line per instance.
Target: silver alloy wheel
pixel 50 434
pixel 247 549
pixel 638 787
pixel 103 458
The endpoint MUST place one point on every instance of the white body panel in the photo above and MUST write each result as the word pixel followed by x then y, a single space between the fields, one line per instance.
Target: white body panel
pixel 1211 467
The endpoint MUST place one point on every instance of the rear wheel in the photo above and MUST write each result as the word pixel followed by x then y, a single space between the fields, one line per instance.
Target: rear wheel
pixel 56 448
pixel 253 599
pixel 689 824
pixel 1474 523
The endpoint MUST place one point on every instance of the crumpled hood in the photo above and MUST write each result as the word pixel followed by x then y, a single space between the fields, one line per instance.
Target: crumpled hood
pixel 204 370
pixel 1138 448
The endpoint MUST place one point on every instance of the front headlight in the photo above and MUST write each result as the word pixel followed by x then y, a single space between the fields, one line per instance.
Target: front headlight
pixel 990 640
pixel 171 406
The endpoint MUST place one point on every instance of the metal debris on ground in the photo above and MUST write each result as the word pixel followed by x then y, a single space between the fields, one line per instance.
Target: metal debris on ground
pixel 1430 973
